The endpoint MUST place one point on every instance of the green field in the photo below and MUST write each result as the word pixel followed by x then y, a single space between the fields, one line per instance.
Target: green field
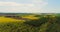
pixel 30 23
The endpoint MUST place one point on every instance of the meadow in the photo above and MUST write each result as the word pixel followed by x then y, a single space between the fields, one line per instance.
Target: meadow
pixel 30 23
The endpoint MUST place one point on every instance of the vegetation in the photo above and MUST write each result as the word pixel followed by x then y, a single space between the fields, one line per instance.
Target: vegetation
pixel 34 23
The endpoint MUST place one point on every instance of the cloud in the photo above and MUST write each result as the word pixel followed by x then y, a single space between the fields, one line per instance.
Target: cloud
pixel 34 7
pixel 13 4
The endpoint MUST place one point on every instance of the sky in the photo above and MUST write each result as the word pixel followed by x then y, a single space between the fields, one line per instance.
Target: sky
pixel 30 6
pixel 54 6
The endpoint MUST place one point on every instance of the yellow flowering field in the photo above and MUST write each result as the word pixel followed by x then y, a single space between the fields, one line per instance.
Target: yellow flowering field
pixel 5 19
pixel 31 17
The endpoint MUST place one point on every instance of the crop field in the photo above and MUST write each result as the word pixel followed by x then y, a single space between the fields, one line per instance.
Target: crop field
pixel 22 22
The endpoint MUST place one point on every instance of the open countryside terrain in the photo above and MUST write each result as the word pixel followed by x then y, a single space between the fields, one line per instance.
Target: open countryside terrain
pixel 29 22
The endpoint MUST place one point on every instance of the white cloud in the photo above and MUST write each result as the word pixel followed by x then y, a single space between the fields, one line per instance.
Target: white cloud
pixel 13 4
pixel 35 7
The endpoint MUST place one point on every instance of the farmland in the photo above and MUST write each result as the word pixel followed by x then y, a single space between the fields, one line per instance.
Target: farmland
pixel 29 22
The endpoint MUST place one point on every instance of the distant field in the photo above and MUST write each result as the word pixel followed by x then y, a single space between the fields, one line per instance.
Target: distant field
pixel 30 22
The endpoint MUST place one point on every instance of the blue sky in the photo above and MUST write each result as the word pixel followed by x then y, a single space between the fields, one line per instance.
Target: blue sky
pixel 54 3
pixel 30 6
